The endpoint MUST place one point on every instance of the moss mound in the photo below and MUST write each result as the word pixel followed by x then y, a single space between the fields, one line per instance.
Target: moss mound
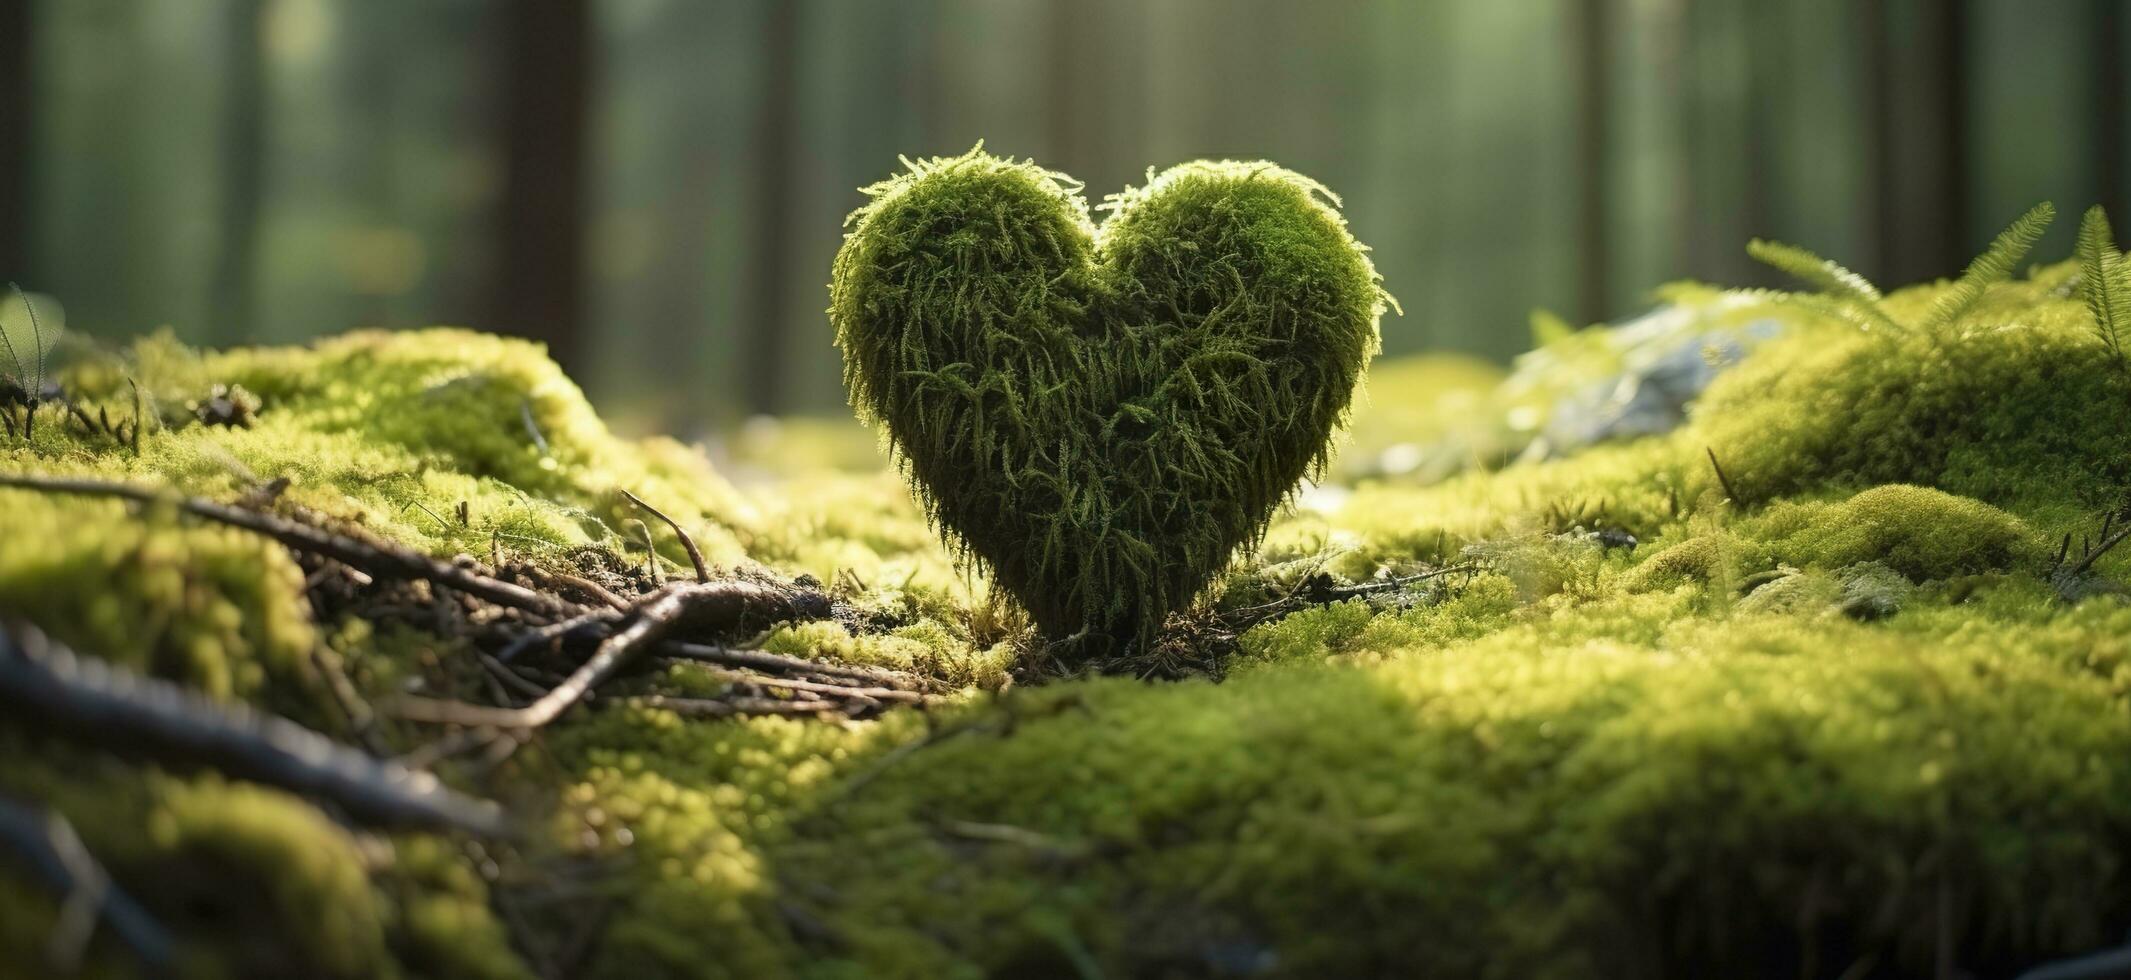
pixel 1101 417
pixel 1829 710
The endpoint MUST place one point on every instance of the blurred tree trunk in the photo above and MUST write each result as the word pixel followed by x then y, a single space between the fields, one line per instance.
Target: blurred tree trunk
pixel 1061 89
pixel 1765 75
pixel 539 280
pixel 373 65
pixel 1944 42
pixel 1878 98
pixel 1917 112
pixel 16 123
pixel 231 299
pixel 1593 41
pixel 775 146
pixel 2112 157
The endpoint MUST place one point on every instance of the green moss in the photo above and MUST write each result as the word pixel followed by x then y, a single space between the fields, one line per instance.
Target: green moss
pixel 928 647
pixel 1476 608
pixel 1834 713
pixel 1425 416
pixel 1791 591
pixel 1712 557
pixel 2011 404
pixel 252 882
pixel 1916 531
pixel 394 430
pixel 216 609
pixel 1100 417
pixel 1518 805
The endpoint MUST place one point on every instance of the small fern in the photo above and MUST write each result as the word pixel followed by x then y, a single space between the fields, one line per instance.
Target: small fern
pixel 1826 274
pixel 1837 285
pixel 2106 282
pixel 1993 266
pixel 1866 319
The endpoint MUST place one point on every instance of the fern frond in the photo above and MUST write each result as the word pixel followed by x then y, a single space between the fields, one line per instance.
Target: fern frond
pixel 1837 283
pixel 1993 266
pixel 15 367
pixel 1826 275
pixel 2104 279
pixel 1848 311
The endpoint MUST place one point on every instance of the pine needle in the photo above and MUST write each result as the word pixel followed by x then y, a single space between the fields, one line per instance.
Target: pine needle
pixel 1993 266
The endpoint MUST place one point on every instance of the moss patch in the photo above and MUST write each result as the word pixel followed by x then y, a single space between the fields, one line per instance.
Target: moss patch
pixel 1826 716
pixel 1102 416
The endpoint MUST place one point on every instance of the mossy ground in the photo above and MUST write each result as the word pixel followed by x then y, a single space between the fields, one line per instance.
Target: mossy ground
pixel 1849 717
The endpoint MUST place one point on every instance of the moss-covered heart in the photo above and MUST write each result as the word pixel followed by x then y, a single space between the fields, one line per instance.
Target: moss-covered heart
pixel 1102 416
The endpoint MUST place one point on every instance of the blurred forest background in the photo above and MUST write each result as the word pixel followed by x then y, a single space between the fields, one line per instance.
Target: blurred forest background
pixel 655 187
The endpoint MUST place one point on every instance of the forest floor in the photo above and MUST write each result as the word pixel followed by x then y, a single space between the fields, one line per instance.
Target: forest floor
pixel 1821 669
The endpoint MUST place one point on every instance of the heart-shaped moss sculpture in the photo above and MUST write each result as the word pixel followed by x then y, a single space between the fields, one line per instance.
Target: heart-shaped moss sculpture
pixel 1102 415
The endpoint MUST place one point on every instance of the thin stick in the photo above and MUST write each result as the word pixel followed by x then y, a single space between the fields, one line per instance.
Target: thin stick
pixel 764 660
pixel 727 707
pixel 695 556
pixel 2110 543
pixel 651 553
pixel 509 677
pixel 377 558
pixel 869 695
pixel 591 588
pixel 1392 584
pixel 552 631
pixel 362 721
pixel 653 620
pixel 1725 481
pixel 82 415
pixel 135 436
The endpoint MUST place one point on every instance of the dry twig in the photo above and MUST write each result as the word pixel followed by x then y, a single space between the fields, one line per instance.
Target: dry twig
pixel 695 555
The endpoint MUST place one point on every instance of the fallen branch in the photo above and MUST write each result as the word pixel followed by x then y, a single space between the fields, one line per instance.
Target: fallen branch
pixel 377 558
pixel 2107 545
pixel 626 629
pixel 93 702
pixel 708 606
